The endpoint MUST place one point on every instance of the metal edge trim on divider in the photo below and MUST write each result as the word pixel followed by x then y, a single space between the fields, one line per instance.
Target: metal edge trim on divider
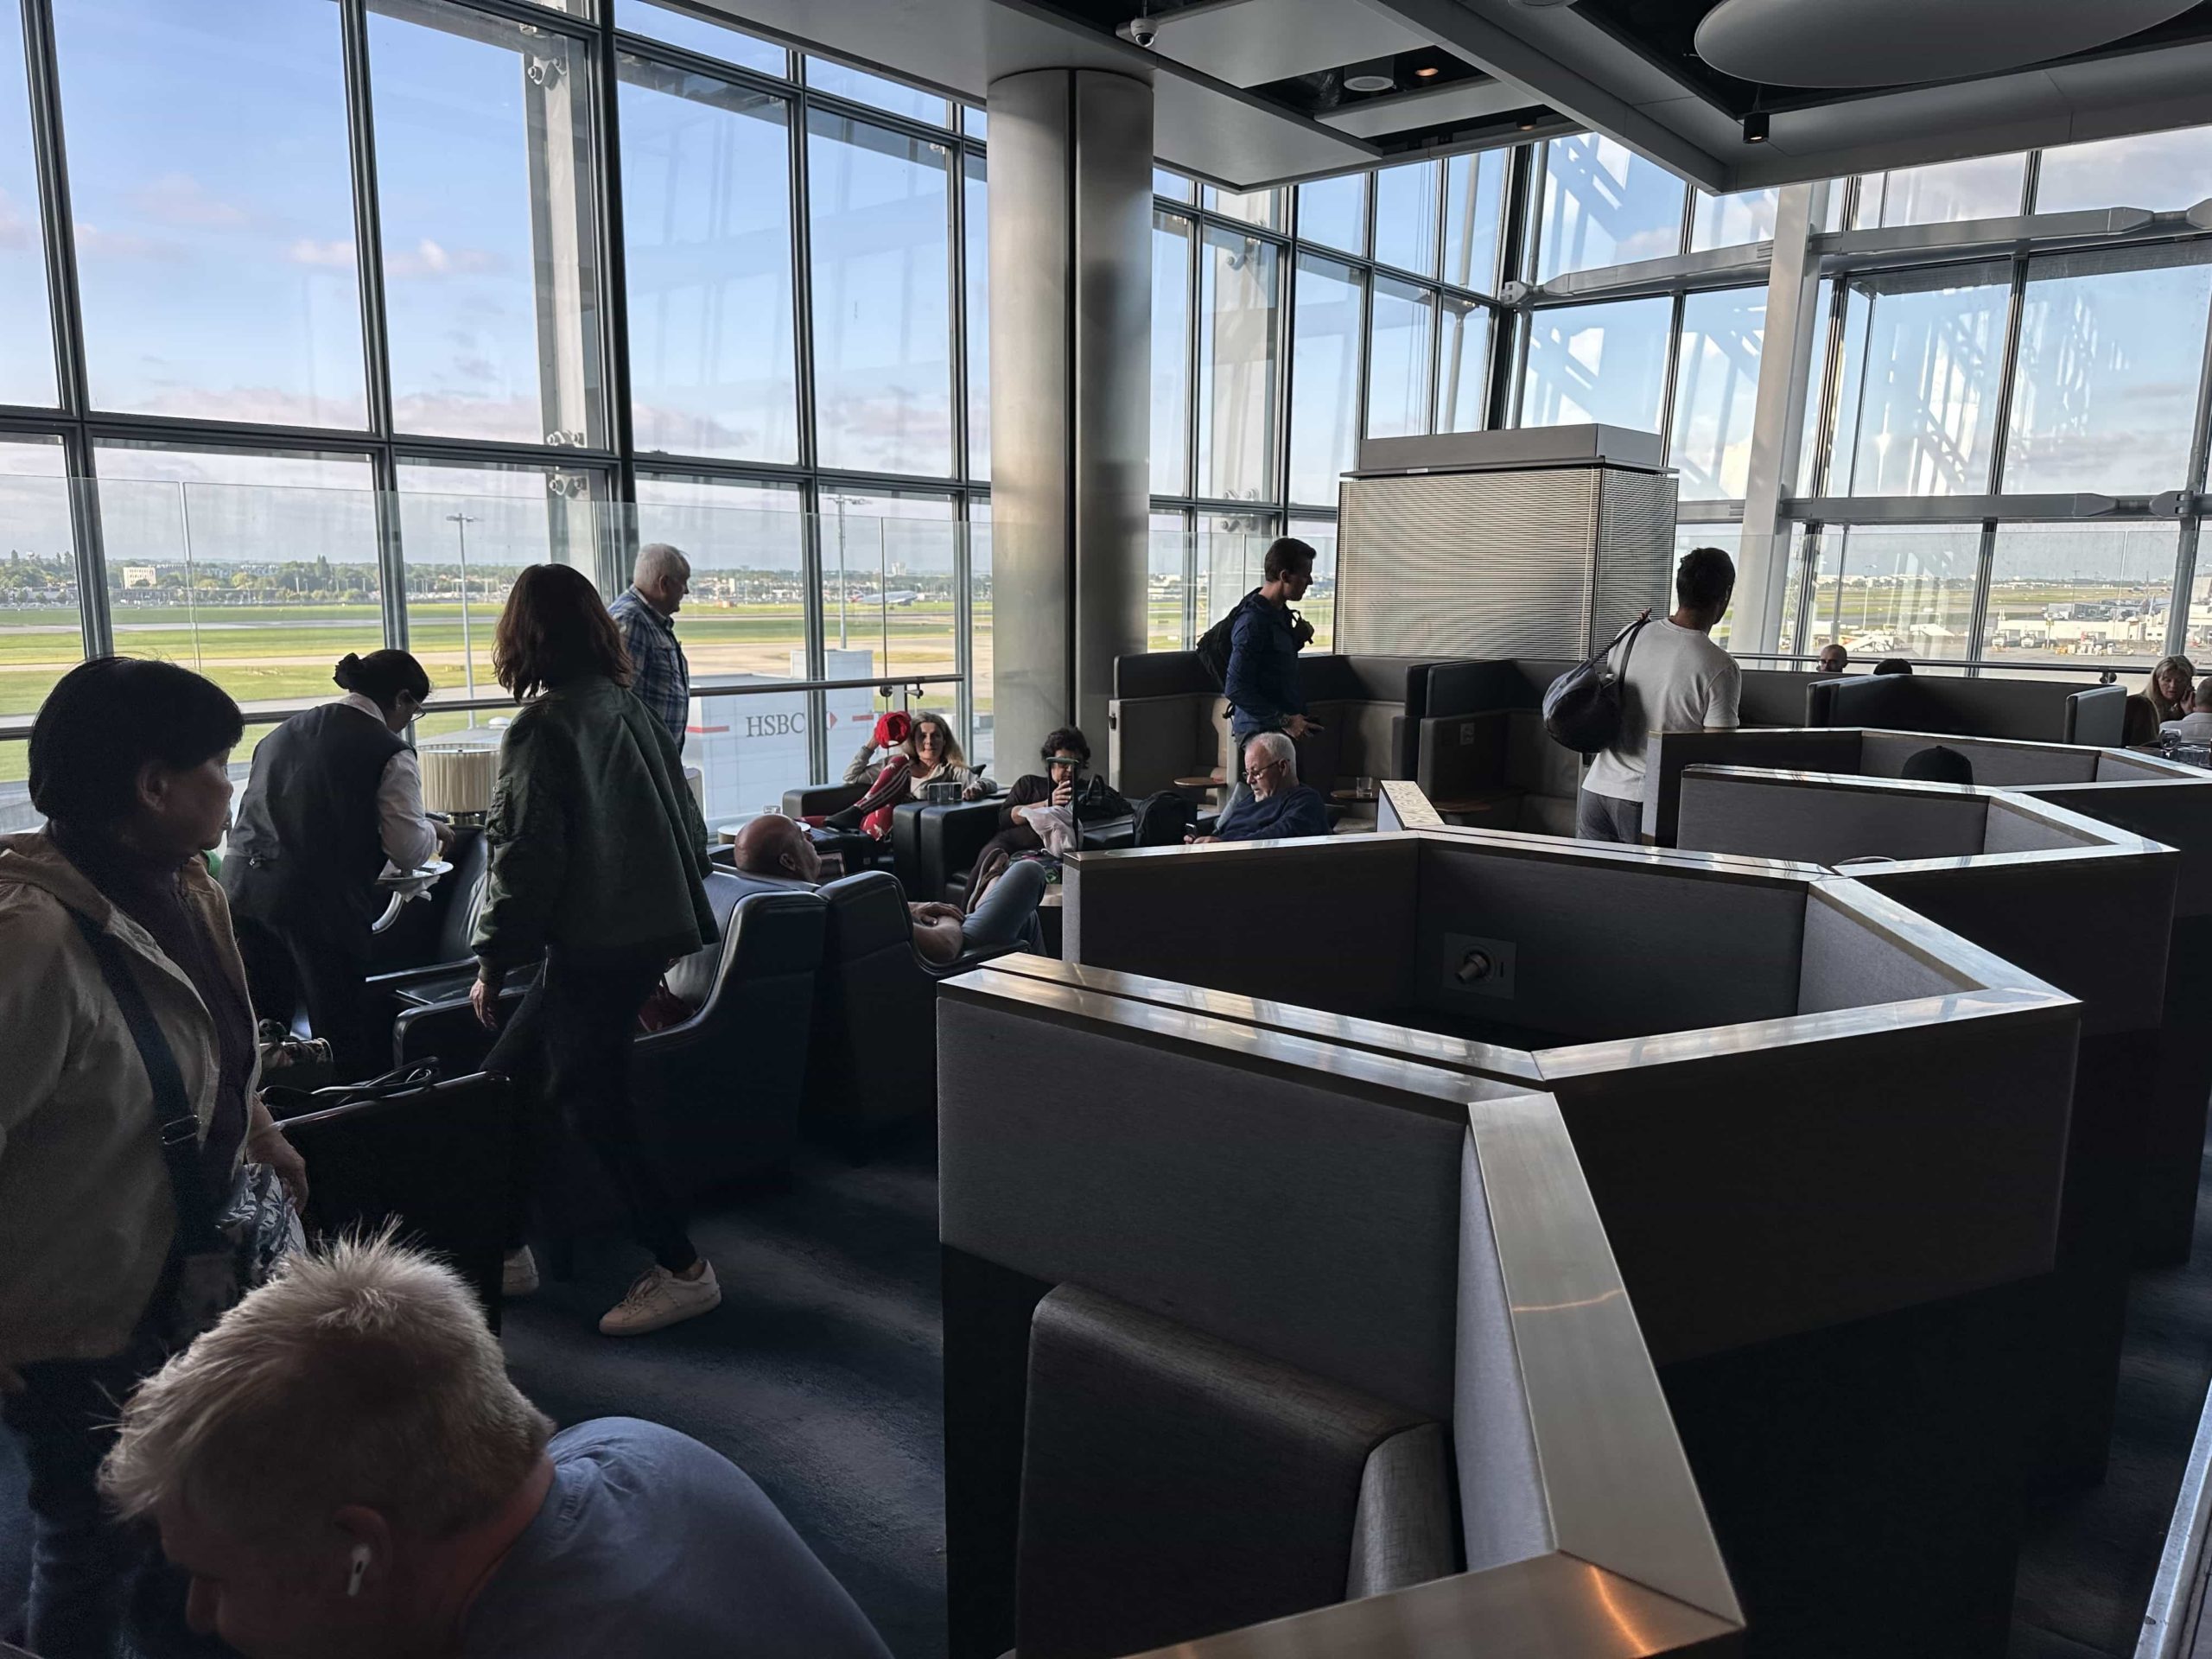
pixel 2176 1603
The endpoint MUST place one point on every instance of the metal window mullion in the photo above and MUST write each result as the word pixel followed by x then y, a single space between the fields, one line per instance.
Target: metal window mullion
pixel 799 125
pixel 614 265
pixel 64 299
pixel 1516 233
pixel 2191 534
pixel 957 311
pixel 963 618
pixel 1673 372
pixel 368 222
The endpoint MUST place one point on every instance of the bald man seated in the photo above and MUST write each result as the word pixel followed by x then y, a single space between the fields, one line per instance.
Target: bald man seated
pixel 773 848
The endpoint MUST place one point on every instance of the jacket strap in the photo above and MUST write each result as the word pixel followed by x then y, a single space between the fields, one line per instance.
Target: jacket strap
pixel 177 1124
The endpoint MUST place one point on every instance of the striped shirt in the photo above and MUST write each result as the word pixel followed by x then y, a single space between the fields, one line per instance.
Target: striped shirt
pixel 660 676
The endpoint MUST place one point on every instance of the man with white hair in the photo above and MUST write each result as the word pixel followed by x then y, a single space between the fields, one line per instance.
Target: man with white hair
pixel 646 611
pixel 344 1469
pixel 1281 807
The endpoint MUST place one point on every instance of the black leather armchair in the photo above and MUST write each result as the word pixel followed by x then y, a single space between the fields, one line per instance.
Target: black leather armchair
pixel 821 798
pixel 437 964
pixel 872 1061
pixel 933 848
pixel 717 1095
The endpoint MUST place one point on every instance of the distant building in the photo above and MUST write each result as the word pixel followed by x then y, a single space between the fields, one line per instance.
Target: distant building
pixel 140 575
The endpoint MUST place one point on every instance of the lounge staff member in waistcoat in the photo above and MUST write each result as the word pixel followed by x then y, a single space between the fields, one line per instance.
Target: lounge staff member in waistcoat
pixel 335 791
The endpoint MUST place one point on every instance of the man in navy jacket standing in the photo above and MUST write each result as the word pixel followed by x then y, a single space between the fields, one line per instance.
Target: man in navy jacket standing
pixel 1265 639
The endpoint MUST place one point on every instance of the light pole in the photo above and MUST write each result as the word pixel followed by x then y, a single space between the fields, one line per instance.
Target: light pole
pixel 460 522
pixel 844 585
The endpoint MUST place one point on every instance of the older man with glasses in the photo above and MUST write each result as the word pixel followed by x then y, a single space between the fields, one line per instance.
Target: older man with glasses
pixel 1281 808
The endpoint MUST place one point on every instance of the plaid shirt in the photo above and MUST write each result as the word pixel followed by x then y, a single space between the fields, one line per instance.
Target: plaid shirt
pixel 662 678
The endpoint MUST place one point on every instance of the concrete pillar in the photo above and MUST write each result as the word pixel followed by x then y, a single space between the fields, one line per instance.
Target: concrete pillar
pixel 1071 240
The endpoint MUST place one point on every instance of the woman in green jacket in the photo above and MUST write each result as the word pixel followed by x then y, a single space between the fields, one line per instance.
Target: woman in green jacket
pixel 599 860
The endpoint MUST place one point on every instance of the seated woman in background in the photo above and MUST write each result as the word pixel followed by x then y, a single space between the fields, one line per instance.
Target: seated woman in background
pixel 932 755
pixel 598 873
pixel 2171 684
pixel 335 792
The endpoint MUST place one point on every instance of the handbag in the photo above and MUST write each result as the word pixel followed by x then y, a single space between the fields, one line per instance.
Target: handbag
pixel 224 1244
pixel 1582 708
pixel 663 1008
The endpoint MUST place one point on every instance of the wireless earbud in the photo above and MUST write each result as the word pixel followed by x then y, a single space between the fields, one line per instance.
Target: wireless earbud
pixel 357 1570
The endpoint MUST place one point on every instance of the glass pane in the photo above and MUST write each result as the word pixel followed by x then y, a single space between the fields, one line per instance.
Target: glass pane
pixel 1405 217
pixel 975 230
pixel 1240 294
pixel 257 571
pixel 465 532
pixel 1474 204
pixel 1402 346
pixel 38 589
pixel 1167 546
pixel 743 620
pixel 1319 604
pixel 1172 251
pixel 976 122
pixel 1987 187
pixel 1261 207
pixel 1884 592
pixel 1604 205
pixel 1729 539
pixel 1462 399
pixel 697 34
pixel 894 96
pixel 2162 171
pixel 2099 593
pixel 1604 363
pixel 1173 186
pixel 1334 213
pixel 484 178
pixel 880 212
pixel 2098 404
pixel 1716 389
pixel 1810 449
pixel 1924 352
pixel 1731 221
pixel 1230 548
pixel 746 615
pixel 27 344
pixel 706 225
pixel 886 587
pixel 1324 377
pixel 215 255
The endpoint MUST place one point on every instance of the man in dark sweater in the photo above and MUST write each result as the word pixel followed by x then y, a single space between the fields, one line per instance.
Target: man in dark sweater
pixel 1279 808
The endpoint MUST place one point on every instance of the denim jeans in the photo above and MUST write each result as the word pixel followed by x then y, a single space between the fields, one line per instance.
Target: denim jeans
pixel 82 1563
pixel 1007 913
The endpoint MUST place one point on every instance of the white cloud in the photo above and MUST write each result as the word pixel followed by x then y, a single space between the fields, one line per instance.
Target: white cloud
pixel 181 199
pixel 432 259
pixel 337 254
pixel 118 245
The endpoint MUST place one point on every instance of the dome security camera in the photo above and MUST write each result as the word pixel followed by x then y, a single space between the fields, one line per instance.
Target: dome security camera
pixel 1139 31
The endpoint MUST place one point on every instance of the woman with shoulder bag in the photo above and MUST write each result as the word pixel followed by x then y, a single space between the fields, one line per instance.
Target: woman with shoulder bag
pixel 598 865
pixel 123 1004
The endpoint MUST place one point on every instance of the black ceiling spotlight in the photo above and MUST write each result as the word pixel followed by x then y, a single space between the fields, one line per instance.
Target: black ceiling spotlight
pixel 1755 127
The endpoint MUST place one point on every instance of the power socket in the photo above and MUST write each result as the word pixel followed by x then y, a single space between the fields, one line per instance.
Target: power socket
pixel 1478 967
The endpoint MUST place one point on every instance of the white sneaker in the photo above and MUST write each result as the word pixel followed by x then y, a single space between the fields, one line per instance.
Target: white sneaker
pixel 518 1274
pixel 660 1299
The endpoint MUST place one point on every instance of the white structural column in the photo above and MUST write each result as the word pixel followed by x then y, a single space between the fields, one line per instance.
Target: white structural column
pixel 1791 335
pixel 1070 241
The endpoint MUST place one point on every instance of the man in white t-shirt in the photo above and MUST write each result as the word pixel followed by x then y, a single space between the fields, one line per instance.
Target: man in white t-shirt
pixel 1678 680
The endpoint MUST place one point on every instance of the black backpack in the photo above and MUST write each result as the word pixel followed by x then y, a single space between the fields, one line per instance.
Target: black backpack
pixel 1163 819
pixel 1582 709
pixel 1214 644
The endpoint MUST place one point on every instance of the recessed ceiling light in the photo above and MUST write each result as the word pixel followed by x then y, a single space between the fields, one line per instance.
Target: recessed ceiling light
pixel 1375 75
pixel 1427 70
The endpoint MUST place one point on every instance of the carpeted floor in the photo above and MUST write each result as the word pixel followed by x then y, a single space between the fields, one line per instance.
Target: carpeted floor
pixel 819 1373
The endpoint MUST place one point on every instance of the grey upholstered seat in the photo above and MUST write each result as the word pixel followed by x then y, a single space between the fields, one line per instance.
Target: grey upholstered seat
pixel 1174 1485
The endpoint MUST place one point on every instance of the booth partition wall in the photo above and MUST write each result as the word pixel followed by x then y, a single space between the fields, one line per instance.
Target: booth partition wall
pixel 328 315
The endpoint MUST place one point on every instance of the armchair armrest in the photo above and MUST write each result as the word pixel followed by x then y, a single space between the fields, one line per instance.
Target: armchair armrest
pixel 929 845
pixel 820 798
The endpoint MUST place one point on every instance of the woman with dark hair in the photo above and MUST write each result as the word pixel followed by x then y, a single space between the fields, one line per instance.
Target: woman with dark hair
pixel 128 762
pixel 598 873
pixel 336 793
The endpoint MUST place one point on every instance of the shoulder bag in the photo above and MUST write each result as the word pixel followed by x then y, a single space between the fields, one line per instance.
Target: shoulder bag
pixel 1582 709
